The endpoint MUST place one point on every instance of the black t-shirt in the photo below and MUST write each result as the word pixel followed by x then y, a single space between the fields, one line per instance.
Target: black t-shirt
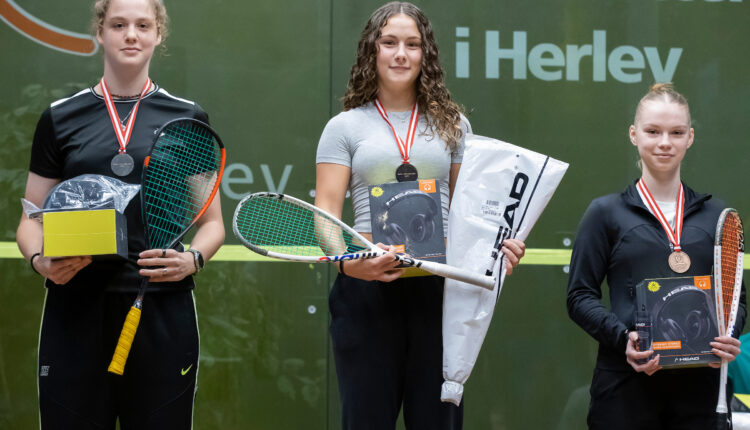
pixel 74 136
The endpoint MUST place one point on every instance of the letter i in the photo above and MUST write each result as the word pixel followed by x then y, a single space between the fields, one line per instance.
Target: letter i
pixel 462 53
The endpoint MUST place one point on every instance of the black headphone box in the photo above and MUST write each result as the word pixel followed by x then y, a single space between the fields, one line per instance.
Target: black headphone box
pixel 409 215
pixel 676 318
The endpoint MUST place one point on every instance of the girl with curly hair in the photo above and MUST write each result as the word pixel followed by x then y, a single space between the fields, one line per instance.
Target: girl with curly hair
pixel 387 329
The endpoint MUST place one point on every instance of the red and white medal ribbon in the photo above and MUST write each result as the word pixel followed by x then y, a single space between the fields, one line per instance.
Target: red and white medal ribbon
pixel 676 235
pixel 403 146
pixel 123 132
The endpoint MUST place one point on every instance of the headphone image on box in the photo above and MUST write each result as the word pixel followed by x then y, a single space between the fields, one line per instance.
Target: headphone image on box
pixel 695 326
pixel 412 222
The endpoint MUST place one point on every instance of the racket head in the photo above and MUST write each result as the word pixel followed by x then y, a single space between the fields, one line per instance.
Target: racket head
pixel 729 249
pixel 180 178
pixel 281 226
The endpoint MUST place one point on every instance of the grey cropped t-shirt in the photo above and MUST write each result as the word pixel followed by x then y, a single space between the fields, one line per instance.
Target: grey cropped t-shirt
pixel 361 140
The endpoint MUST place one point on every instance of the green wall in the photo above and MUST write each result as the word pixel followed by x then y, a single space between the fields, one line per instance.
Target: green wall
pixel 270 74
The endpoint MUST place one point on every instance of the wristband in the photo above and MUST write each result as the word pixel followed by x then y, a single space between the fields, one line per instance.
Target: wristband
pixel 197 259
pixel 31 262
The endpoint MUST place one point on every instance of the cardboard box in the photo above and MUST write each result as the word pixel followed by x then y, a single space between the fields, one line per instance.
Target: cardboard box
pixel 678 317
pixel 409 215
pixel 85 232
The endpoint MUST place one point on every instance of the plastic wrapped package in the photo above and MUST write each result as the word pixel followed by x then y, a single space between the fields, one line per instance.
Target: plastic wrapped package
pixel 85 192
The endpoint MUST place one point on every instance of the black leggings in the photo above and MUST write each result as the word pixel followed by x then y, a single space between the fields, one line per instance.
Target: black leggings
pixel 387 343
pixel 80 328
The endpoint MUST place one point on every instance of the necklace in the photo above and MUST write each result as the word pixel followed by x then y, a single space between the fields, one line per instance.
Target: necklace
pixel 124 121
pixel 117 96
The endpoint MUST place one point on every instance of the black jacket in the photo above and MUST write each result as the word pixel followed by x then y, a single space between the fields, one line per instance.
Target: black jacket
pixel 619 238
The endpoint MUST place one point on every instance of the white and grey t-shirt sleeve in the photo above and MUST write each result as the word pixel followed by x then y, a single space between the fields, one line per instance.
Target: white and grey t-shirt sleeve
pixel 333 146
pixel 457 155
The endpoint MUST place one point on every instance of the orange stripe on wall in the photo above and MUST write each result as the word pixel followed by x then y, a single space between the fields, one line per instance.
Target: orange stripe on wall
pixel 43 34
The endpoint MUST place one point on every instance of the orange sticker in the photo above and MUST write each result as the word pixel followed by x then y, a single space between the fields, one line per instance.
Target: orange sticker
pixel 427 185
pixel 702 282
pixel 400 248
pixel 672 344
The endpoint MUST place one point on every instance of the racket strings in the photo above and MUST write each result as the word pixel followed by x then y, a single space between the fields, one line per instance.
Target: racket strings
pixel 178 180
pixel 731 239
pixel 280 226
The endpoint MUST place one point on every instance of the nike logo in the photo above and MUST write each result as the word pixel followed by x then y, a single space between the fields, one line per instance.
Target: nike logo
pixel 184 372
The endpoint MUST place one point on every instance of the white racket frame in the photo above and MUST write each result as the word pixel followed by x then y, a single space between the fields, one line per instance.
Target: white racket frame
pixel 444 270
pixel 721 405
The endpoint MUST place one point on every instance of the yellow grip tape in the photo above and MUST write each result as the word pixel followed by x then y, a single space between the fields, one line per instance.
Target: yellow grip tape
pixel 744 398
pixel 117 365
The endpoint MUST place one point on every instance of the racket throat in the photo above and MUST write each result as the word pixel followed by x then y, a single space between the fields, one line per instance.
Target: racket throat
pixel 407 261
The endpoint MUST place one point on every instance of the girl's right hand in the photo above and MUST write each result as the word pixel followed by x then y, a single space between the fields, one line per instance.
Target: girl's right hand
pixel 633 356
pixel 60 270
pixel 381 268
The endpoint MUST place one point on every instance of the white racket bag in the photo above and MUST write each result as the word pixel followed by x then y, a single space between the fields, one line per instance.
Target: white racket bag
pixel 500 192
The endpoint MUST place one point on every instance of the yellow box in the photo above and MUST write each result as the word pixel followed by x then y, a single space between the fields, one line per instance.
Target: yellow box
pixel 85 232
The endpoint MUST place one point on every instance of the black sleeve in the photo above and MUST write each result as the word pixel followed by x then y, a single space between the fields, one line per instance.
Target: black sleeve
pixel 588 267
pixel 201 115
pixel 46 158
pixel 739 323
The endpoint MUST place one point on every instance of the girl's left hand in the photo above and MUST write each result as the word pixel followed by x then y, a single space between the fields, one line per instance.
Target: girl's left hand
pixel 514 250
pixel 166 265
pixel 725 347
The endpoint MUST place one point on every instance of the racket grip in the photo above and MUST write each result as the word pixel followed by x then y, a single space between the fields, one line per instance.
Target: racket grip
pixel 484 281
pixel 643 327
pixel 722 421
pixel 117 366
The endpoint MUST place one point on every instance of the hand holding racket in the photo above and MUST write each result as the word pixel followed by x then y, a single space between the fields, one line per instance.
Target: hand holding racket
pixel 179 180
pixel 178 265
pixel 281 226
pixel 385 268
pixel 729 249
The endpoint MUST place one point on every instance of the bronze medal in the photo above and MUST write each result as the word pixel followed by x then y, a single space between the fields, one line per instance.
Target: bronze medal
pixel 679 261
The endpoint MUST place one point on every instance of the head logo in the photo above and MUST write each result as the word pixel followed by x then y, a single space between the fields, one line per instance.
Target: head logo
pixel 44 33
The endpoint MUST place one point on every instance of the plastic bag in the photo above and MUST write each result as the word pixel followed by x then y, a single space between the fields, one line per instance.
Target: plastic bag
pixel 85 192
pixel 500 192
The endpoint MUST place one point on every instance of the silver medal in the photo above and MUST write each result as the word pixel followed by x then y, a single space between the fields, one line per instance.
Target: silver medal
pixel 122 164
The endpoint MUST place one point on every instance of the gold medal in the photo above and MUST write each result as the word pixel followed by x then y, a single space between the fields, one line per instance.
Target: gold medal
pixel 405 171
pixel 679 261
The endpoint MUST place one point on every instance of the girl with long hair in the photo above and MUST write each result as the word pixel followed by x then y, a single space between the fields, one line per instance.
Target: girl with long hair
pixel 87 299
pixel 386 329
